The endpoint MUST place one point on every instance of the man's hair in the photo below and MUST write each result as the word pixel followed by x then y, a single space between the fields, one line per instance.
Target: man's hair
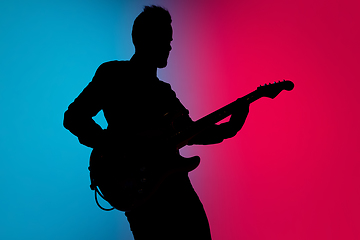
pixel 149 24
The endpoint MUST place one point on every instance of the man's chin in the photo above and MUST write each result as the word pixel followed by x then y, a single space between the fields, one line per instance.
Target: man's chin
pixel 162 65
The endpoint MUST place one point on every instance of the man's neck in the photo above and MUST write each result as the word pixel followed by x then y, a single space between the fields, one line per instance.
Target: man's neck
pixel 144 66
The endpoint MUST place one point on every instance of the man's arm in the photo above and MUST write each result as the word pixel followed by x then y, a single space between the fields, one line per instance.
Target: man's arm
pixel 78 118
pixel 217 133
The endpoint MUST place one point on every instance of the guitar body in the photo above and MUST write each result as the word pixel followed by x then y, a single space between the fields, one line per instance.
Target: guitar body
pixel 128 181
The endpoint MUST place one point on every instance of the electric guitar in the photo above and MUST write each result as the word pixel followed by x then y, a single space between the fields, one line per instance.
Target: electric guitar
pixel 127 180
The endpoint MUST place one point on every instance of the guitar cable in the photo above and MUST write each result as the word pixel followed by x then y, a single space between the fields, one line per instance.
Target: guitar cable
pixel 94 187
pixel 97 191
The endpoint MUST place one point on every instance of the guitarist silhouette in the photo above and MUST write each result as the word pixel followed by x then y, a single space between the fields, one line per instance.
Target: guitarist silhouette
pixel 141 110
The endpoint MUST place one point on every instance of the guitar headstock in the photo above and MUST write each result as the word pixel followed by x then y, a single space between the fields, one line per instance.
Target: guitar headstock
pixel 271 90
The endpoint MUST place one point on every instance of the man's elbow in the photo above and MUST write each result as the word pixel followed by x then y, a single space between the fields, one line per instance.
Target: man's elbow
pixel 68 120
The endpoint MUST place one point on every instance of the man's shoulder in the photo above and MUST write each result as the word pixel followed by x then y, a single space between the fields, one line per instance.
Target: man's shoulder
pixel 115 64
pixel 111 70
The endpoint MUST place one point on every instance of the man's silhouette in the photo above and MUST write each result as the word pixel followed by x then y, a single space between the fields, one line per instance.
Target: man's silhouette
pixel 134 102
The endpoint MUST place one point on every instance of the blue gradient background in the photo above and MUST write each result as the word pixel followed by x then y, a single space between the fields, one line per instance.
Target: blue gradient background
pixel 292 173
pixel 49 51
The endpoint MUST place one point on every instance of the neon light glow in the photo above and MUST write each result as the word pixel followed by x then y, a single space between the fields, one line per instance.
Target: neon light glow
pixel 293 172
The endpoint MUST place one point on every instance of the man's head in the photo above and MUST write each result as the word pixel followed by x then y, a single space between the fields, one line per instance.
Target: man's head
pixel 152 35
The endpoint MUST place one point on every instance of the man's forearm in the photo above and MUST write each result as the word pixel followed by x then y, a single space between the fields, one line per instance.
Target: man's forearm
pixel 86 129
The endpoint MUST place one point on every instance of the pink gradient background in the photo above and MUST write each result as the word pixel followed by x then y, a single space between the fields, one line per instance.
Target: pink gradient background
pixel 293 171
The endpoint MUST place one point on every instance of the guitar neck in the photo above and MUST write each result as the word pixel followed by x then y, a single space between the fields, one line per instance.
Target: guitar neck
pixel 227 110
pixel 181 138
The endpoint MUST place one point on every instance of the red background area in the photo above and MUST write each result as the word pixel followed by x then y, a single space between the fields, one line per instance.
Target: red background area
pixel 293 170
